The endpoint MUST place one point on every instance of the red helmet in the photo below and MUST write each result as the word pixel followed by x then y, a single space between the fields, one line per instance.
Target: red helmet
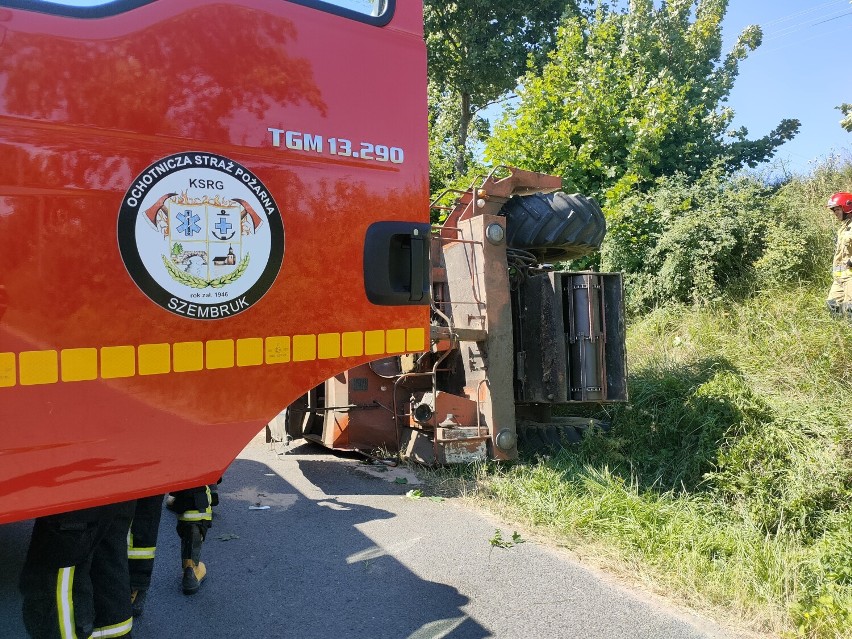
pixel 841 199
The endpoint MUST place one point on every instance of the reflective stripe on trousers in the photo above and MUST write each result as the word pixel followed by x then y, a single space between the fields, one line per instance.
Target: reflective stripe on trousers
pixel 65 611
pixel 65 602
pixel 139 553
pixel 191 516
pixel 116 630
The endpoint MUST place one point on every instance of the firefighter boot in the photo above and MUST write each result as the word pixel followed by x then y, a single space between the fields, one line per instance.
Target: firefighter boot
pixel 193 575
pixel 137 601
pixel 192 537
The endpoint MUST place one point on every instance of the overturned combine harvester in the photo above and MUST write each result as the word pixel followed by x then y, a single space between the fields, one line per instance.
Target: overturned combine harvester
pixel 511 337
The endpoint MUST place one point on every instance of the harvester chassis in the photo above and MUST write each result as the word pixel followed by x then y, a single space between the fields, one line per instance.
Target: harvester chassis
pixel 511 338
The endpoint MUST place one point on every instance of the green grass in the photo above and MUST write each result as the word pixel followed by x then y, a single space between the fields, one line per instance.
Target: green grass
pixel 727 479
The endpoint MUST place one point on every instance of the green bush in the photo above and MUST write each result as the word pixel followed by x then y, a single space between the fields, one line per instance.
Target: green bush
pixel 696 242
pixel 800 242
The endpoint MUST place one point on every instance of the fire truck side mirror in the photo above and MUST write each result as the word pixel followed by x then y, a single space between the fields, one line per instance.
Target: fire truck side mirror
pixel 396 263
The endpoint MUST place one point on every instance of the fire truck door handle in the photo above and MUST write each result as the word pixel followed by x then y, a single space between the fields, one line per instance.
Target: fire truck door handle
pixel 417 254
pixel 396 263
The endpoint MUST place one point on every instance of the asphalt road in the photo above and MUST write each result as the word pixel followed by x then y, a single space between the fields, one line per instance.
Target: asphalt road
pixel 341 553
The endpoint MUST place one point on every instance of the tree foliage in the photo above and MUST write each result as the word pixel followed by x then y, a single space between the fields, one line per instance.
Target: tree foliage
pixel 632 94
pixel 444 119
pixel 479 48
pixel 846 110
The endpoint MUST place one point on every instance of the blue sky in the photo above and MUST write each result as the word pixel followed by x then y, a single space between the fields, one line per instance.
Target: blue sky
pixel 802 70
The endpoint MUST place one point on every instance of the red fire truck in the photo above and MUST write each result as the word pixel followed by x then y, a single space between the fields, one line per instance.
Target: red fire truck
pixel 186 193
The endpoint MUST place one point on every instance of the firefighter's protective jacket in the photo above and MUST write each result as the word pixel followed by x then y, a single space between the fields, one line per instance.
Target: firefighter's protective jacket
pixel 841 268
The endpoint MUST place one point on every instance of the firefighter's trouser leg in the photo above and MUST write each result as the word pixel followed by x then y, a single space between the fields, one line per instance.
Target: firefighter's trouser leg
pixel 194 519
pixel 141 548
pixel 142 542
pixel 111 581
pixel 65 564
pixel 839 299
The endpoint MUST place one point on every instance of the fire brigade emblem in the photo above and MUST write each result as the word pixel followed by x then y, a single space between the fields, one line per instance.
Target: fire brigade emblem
pixel 201 235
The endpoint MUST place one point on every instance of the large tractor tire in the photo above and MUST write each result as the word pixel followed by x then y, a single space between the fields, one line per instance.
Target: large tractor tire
pixel 556 226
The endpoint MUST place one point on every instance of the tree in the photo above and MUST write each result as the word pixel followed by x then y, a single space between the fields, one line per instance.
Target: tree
pixel 846 122
pixel 444 108
pixel 478 49
pixel 632 94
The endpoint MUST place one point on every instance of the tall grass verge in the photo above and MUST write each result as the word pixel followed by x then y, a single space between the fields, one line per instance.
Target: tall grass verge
pixel 727 479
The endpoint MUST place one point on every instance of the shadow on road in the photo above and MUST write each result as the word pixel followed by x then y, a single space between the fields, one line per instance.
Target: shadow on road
pixel 282 563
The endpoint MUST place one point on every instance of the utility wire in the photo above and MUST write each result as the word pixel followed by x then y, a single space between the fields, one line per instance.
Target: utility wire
pixel 788 31
pixel 788 35
pixel 795 42
pixel 802 18
pixel 804 12
pixel 848 13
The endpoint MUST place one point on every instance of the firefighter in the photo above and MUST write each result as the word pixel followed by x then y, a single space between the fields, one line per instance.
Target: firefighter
pixel 141 547
pixel 840 295
pixel 75 578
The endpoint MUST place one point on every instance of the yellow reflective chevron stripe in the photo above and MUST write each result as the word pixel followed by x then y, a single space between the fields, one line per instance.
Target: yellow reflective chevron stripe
pixel 116 630
pixel 65 602
pixel 29 368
